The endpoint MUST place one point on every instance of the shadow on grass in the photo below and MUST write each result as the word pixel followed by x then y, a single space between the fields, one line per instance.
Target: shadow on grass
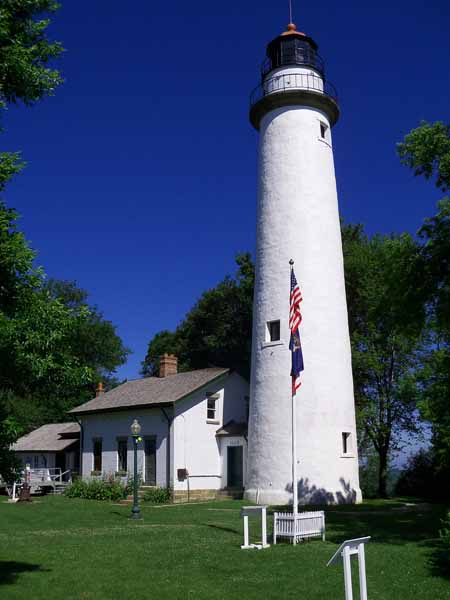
pixel 222 528
pixel 10 570
pixel 439 559
pixel 388 522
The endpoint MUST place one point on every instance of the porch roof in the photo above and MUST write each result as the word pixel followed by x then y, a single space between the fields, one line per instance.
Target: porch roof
pixel 151 391
pixel 232 428
pixel 52 437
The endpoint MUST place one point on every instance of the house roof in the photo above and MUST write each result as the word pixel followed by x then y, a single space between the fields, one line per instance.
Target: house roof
pixel 48 438
pixel 232 428
pixel 151 391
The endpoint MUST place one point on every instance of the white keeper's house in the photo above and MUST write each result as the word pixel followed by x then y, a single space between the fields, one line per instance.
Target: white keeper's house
pixel 193 429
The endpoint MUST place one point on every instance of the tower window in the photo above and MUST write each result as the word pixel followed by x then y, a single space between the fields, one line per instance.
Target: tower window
pixel 346 442
pixel 273 331
pixel 323 130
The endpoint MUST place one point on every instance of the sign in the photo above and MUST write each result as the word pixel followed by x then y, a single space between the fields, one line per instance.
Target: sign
pixel 254 511
pixel 343 554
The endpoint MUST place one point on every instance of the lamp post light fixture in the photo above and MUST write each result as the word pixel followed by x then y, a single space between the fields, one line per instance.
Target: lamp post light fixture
pixel 135 432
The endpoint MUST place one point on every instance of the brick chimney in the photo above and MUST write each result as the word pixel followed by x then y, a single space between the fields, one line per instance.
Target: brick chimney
pixel 99 391
pixel 168 365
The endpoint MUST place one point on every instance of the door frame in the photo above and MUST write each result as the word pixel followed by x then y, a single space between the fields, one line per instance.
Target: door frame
pixel 155 439
pixel 233 447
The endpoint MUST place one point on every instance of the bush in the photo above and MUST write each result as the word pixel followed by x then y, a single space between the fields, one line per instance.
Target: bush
pixel 129 486
pixel 157 496
pixel 108 488
pixel 418 478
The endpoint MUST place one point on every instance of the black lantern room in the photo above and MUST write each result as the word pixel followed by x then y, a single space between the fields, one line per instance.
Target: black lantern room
pixel 292 48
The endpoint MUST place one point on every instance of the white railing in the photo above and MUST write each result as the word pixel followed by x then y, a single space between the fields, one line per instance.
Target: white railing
pixel 307 525
pixel 50 475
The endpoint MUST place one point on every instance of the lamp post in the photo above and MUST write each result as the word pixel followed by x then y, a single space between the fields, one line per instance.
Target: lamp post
pixel 135 431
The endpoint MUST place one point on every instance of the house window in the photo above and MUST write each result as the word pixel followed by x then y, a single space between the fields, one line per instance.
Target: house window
pixel 346 442
pixel 273 331
pixel 211 411
pixel 323 130
pixel 36 461
pixel 97 443
pixel 122 450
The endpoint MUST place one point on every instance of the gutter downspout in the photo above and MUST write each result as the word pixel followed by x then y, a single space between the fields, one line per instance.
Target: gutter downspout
pixel 169 424
pixel 81 445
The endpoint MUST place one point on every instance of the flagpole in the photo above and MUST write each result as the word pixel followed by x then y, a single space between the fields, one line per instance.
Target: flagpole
pixel 294 454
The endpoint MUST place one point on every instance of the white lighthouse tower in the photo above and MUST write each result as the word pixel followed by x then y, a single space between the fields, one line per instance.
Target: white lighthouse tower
pixel 294 110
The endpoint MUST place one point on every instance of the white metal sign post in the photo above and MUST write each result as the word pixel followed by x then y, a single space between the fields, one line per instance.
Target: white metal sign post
pixel 343 553
pixel 248 511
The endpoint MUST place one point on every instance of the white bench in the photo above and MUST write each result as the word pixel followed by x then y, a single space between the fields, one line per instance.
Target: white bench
pixel 307 525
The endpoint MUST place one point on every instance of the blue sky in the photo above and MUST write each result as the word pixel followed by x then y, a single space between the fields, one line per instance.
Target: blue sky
pixel 141 176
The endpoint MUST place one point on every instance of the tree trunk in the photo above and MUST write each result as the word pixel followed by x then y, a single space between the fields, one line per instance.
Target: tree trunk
pixel 382 473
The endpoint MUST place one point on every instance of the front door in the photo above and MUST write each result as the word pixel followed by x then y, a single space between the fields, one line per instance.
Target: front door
pixel 150 461
pixel 235 467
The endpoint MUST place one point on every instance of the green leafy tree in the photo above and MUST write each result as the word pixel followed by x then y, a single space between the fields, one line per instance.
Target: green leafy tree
pixel 25 52
pixel 386 326
pixel 217 331
pixel 427 151
pixel 164 342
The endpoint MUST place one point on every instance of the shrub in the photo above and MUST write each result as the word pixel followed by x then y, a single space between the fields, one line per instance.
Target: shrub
pixel 129 486
pixel 418 478
pixel 157 495
pixel 108 488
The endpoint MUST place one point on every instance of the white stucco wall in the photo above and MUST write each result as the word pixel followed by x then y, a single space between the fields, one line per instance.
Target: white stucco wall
pixel 196 447
pixel 111 426
pixel 298 218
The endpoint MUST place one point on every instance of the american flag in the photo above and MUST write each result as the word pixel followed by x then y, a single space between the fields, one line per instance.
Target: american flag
pixel 295 318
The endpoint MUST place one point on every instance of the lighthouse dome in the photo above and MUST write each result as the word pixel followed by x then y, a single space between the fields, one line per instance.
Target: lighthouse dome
pixel 292 47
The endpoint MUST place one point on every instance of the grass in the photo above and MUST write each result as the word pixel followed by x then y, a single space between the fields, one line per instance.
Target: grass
pixel 57 547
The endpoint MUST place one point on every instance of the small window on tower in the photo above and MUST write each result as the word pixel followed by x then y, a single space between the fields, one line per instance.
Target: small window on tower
pixel 323 130
pixel 346 442
pixel 273 331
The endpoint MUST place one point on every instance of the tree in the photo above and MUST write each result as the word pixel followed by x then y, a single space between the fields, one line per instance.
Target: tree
pixel 164 342
pixel 217 331
pixel 25 51
pixel 427 151
pixel 386 322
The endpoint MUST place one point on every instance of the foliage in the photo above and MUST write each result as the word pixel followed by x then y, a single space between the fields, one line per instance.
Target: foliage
pixel 108 488
pixel 129 485
pixel 25 52
pixel 216 331
pixel 426 150
pixel 444 534
pixel 158 495
pixel 386 319
pixel 9 432
pixel 163 342
pixel 418 477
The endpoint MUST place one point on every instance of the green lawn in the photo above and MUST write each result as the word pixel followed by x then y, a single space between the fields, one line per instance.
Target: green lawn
pixel 61 548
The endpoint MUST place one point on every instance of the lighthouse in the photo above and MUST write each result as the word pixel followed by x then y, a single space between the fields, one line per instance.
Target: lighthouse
pixel 294 109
